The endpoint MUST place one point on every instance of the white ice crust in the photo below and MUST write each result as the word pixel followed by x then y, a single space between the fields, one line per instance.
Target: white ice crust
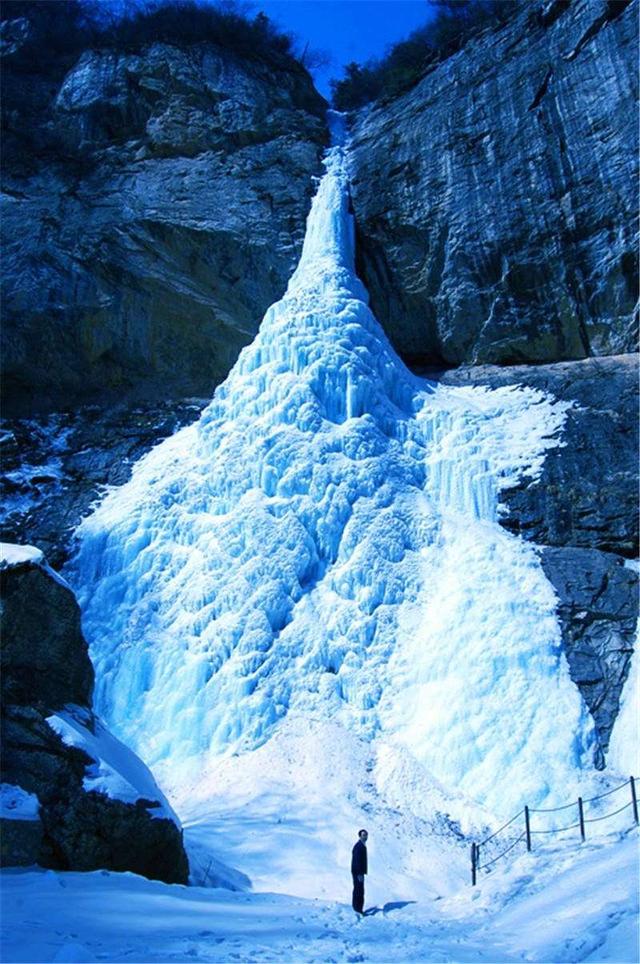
pixel 18 555
pixel 325 541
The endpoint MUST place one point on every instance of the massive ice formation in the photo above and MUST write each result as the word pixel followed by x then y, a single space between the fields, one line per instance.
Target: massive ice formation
pixel 324 541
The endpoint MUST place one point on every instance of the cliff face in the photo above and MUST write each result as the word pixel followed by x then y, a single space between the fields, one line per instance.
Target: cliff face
pixel 155 206
pixel 495 200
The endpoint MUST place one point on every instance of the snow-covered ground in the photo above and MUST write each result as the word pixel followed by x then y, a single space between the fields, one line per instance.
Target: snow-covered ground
pixel 572 904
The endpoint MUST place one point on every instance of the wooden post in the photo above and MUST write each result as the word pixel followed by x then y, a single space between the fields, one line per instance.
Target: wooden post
pixel 634 798
pixel 528 827
pixel 474 864
pixel 581 809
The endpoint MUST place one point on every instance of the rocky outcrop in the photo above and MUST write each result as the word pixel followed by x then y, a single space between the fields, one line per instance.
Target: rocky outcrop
pixel 495 201
pixel 55 466
pixel 154 207
pixel 598 610
pixel 97 804
pixel 587 493
pixel 582 511
pixel 44 656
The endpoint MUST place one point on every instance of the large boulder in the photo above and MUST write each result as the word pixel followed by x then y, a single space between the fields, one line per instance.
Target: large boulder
pixel 154 207
pixel 44 656
pixel 495 201
pixel 73 796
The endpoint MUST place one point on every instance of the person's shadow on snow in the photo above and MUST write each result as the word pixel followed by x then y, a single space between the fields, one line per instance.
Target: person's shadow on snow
pixel 388 907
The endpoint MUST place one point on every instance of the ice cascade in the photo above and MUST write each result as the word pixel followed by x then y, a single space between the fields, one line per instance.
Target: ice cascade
pixel 324 541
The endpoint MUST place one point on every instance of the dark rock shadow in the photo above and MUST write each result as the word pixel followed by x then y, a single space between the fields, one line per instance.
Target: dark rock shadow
pixel 388 907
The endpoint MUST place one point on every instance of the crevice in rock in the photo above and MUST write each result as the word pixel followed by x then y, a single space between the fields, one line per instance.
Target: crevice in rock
pixel 544 86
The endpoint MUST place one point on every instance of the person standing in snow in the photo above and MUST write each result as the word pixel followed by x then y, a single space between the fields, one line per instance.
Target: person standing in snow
pixel 358 870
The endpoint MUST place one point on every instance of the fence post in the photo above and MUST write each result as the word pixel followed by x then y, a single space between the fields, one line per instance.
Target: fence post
pixel 527 824
pixel 473 864
pixel 581 809
pixel 634 798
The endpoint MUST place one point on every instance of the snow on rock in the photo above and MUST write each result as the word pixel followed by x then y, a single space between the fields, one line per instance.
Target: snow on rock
pixel 116 772
pixel 325 541
pixel 17 804
pixel 13 555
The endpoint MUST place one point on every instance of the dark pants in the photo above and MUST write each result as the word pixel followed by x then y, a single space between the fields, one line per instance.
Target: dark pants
pixel 357 901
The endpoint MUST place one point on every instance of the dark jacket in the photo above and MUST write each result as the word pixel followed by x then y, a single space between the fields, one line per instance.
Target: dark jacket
pixel 359 859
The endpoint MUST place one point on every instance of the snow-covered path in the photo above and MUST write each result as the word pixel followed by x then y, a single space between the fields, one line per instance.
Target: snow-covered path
pixel 576 904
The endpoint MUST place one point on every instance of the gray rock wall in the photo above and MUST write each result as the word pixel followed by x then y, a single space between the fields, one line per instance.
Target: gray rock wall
pixel 154 207
pixel 587 494
pixel 496 201
pixel 598 611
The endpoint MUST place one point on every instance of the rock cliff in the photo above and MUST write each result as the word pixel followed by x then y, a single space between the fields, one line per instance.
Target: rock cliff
pixel 72 796
pixel 495 200
pixel 154 207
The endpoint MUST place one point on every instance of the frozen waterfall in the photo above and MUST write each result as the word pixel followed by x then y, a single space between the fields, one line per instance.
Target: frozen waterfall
pixel 324 542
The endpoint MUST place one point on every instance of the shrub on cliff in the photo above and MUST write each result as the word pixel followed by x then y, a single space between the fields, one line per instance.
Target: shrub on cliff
pixel 406 62
pixel 57 32
pixel 190 21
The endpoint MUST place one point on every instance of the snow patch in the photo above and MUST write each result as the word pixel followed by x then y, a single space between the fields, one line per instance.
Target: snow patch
pixel 14 555
pixel 580 905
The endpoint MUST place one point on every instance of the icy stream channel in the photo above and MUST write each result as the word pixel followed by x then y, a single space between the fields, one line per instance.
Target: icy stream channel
pixel 324 542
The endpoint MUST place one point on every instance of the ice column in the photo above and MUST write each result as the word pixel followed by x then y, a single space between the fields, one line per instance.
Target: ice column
pixel 324 540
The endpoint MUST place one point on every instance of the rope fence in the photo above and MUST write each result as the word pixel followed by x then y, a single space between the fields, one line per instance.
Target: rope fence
pixel 487 859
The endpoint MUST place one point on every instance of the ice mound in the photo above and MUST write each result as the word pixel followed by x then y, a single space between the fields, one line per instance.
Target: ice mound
pixel 325 541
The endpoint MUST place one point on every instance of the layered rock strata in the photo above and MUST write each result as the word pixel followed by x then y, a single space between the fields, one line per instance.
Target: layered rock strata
pixel 495 201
